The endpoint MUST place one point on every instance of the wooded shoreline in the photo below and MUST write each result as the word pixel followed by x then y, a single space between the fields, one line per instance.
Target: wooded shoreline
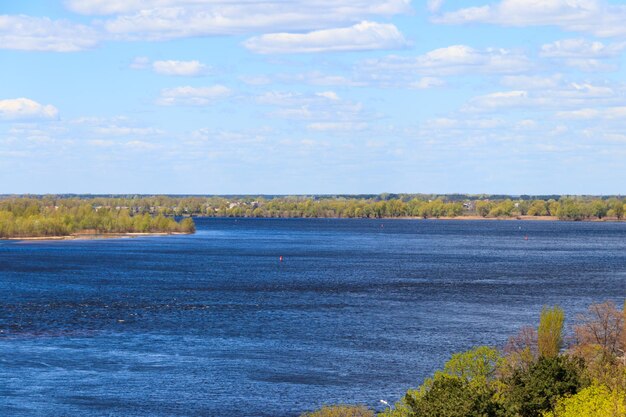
pixel 58 217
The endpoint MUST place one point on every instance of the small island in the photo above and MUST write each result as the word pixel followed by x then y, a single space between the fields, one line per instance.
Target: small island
pixel 50 218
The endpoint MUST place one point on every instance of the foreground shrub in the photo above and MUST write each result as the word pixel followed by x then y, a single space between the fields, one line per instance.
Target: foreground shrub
pixel 531 378
pixel 534 391
pixel 593 401
pixel 341 411
pixel 467 387
pixel 450 396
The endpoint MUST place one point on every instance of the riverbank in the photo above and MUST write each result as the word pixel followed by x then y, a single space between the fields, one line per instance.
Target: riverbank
pixel 473 217
pixel 94 236
pixel 468 217
pixel 523 218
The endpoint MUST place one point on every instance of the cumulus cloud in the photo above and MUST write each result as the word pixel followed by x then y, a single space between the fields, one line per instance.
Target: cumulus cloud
pixel 463 124
pixel 170 67
pixel 531 82
pixel 26 109
pixel 323 110
pixel 140 145
pixel 337 126
pixel 500 100
pixel 573 95
pixel 597 17
pixel 115 130
pixel 29 33
pixel 583 54
pixel 331 95
pixel 182 68
pixel 311 77
pixel 192 96
pixel 452 60
pixel 609 113
pixel 425 83
pixel 168 19
pixel 110 7
pixel 363 36
pixel 319 78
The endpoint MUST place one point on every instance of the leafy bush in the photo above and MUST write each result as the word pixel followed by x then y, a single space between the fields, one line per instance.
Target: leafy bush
pixel 594 401
pixel 341 411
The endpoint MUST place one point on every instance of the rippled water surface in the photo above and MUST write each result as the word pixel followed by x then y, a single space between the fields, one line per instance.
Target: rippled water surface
pixel 214 324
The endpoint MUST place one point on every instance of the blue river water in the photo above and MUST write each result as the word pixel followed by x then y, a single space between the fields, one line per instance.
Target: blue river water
pixel 214 324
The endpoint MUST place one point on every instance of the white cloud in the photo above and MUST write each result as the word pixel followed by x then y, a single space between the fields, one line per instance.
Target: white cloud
pixel 256 79
pixel 331 95
pixel 101 143
pixel 597 17
pixel 26 109
pixel 170 67
pixel 193 96
pixel 583 54
pixel 531 82
pixel 462 125
pixel 499 100
pixel 114 130
pixel 112 7
pixel 182 68
pixel 609 113
pixel 337 126
pixel 363 36
pixel 573 95
pixel 434 5
pixel 452 60
pixel 43 34
pixel 319 109
pixel 311 77
pixel 140 145
pixel 425 83
pixel 168 19
pixel 581 48
pixel 318 78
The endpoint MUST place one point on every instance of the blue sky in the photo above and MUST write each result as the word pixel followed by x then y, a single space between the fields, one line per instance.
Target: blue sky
pixel 313 96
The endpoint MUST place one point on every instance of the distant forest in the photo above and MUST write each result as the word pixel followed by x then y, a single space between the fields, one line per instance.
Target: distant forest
pixel 54 217
pixel 60 215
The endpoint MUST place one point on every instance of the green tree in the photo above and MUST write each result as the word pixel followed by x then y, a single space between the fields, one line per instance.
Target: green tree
pixel 483 208
pixel 599 208
pixel 449 396
pixel 535 390
pixel 187 225
pixel 478 365
pixel 467 387
pixel 550 331
pixel 617 206
pixel 538 208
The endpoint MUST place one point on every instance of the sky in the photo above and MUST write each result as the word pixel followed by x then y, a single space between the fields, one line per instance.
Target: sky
pixel 312 96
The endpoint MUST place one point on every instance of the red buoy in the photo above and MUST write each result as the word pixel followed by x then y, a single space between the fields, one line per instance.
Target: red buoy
pixel 281 258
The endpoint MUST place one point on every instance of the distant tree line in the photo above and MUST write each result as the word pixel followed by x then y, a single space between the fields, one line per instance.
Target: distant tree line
pixel 380 206
pixel 535 375
pixel 27 217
